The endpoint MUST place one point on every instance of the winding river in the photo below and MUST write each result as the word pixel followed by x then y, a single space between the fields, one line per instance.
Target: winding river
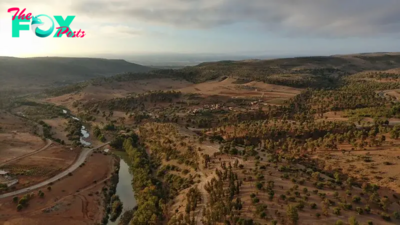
pixel 124 187
pixel 84 132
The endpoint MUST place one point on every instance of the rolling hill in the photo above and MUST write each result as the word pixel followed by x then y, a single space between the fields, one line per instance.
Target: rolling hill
pixel 36 73
pixel 301 72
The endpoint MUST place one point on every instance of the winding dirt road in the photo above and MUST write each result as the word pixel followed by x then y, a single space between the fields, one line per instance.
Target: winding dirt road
pixel 81 158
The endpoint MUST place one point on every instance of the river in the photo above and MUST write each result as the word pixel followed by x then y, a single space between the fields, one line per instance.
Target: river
pixel 84 132
pixel 124 189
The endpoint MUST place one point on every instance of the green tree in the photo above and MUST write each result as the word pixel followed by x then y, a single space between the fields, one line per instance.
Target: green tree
pixel 353 221
pixel 292 214
pixel 339 222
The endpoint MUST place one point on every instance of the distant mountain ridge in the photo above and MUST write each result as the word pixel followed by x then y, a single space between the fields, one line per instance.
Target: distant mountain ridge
pixel 51 71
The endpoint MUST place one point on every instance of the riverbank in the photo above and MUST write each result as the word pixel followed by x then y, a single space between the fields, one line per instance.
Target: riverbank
pixel 121 191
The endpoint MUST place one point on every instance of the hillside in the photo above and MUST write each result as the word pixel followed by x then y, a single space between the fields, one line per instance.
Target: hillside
pixel 34 73
pixel 298 72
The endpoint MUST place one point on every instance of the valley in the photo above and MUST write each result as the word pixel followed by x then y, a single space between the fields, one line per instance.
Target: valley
pixel 308 140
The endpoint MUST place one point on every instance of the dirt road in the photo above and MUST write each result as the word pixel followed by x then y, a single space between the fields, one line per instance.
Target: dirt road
pixel 81 158
pixel 49 142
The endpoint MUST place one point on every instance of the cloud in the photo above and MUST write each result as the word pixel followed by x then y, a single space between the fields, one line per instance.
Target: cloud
pixel 335 18
pixel 121 31
pixel 326 18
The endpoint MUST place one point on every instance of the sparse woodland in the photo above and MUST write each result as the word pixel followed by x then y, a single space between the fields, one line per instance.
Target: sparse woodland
pixel 325 156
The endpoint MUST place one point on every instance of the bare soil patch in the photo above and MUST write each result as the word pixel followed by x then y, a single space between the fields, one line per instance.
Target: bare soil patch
pixel 15 144
pixel 117 90
pixel 228 87
pixel 45 164
pixel 58 128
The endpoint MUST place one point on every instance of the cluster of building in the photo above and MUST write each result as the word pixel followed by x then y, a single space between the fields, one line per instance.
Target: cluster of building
pixel 6 179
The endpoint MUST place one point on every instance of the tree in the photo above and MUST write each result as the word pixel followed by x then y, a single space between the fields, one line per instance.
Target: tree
pixel 15 199
pixel 353 221
pixel 292 214
pixel 316 176
pixel 19 207
pixel 374 198
pixel 337 177
pixel 339 222
pixel 356 199
pixel 325 207
pixel 336 211
pixel 385 203
pixel 396 215
pixel 23 201
pixel 259 185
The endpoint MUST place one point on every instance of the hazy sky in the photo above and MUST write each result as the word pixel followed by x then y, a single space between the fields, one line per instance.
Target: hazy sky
pixel 270 27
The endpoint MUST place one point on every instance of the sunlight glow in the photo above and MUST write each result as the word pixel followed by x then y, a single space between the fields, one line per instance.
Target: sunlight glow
pixel 26 45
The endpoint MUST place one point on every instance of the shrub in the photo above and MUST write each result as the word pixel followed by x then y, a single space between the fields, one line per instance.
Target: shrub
pixel 359 210
pixel 353 221
pixel 385 216
pixel 23 201
pixel 259 185
pixel 339 222
pixel 313 206
pixel 336 211
pixel 256 200
pixel 346 206
pixel 396 215
pixel 292 214
pixel 301 205
pixel 356 199
pixel 367 209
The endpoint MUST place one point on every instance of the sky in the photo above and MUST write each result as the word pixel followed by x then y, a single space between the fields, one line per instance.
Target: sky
pixel 227 27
